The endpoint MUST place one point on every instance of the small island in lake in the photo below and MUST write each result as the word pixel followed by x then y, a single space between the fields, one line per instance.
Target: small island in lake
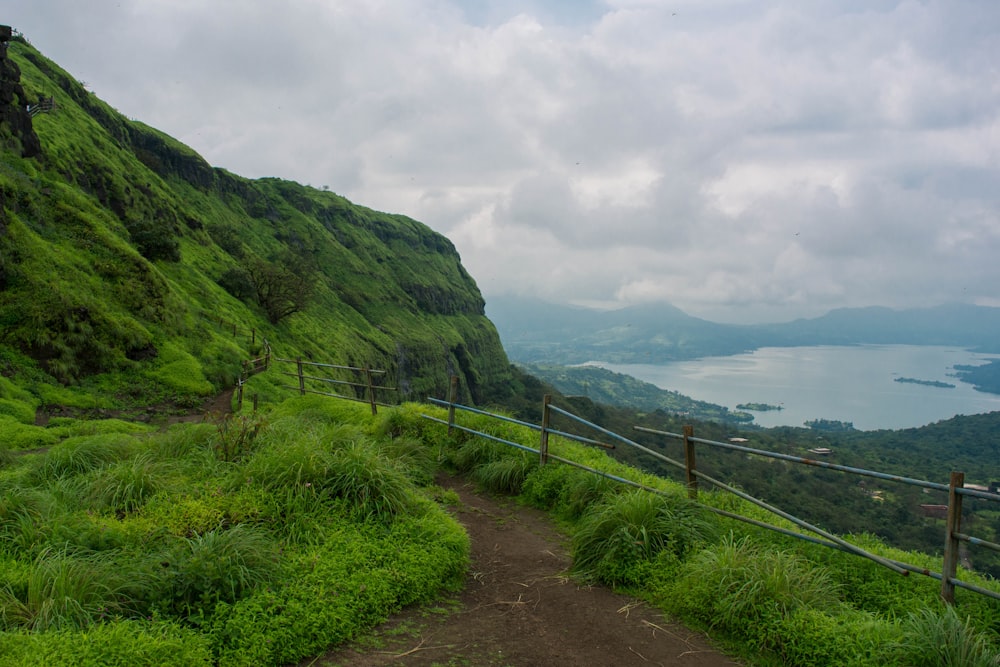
pixel 927 383
pixel 832 425
pixel 758 407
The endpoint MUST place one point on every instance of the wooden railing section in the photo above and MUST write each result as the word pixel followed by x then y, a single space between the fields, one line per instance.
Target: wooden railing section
pixel 307 384
pixel 956 489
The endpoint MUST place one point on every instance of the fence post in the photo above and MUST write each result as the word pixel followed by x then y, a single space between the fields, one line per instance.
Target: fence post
pixel 543 446
pixel 302 378
pixel 371 391
pixel 952 526
pixel 689 463
pixel 239 394
pixel 253 336
pixel 255 396
pixel 452 395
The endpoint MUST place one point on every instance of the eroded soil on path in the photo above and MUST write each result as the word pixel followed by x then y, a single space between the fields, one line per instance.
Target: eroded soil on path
pixel 520 608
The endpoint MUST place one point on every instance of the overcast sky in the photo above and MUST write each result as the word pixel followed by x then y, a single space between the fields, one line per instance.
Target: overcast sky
pixel 744 160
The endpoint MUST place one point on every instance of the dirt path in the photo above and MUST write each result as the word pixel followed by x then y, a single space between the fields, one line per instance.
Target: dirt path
pixel 520 609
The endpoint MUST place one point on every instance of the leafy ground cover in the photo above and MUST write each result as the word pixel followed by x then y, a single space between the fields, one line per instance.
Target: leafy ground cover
pixel 269 537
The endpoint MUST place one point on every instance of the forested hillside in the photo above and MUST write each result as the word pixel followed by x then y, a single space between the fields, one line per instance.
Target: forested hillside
pixel 121 250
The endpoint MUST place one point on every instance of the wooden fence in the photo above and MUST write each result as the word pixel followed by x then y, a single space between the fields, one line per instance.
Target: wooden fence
pixel 250 368
pixel 955 489
pixel 307 383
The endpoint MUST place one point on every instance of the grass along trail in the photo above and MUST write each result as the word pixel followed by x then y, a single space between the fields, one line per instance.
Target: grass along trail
pixel 519 608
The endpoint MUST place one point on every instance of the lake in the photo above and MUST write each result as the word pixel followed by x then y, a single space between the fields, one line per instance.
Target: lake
pixel 852 384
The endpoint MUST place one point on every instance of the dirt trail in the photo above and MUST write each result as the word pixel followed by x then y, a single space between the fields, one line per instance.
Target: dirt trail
pixel 520 609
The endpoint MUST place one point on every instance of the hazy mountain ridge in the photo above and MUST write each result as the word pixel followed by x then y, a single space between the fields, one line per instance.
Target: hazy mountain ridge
pixel 537 332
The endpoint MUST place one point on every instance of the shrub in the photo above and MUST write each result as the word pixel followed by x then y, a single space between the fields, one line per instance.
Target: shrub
pixel 614 540
pixel 236 281
pixel 545 484
pixel 847 638
pixel 217 566
pixel 236 435
pixel 154 239
pixel 280 289
pixel 227 237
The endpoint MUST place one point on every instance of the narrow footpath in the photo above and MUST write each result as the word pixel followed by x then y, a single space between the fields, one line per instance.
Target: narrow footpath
pixel 520 609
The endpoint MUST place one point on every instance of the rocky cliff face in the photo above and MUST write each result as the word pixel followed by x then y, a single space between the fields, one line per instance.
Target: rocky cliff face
pixel 15 124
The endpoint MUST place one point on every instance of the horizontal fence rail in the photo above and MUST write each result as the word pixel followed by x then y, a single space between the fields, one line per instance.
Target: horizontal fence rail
pixel 368 386
pixel 955 489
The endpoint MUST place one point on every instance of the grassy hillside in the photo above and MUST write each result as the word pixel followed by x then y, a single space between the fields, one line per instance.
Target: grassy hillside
pixel 120 250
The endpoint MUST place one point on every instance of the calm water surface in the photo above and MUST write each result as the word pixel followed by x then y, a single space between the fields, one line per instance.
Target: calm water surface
pixel 854 384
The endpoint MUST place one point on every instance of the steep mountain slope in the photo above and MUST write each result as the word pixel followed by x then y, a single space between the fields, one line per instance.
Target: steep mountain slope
pixel 121 249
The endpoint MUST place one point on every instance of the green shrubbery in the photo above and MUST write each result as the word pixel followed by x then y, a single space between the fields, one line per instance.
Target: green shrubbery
pixel 248 543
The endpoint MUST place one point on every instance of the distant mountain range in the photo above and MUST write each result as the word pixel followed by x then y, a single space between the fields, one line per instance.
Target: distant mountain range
pixel 534 331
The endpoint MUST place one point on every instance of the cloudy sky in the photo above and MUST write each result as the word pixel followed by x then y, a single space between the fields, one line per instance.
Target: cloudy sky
pixel 744 160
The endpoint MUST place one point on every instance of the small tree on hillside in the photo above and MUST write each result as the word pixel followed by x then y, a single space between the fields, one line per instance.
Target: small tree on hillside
pixel 279 290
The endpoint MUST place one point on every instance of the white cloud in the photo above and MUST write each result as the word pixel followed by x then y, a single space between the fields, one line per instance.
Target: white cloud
pixel 741 159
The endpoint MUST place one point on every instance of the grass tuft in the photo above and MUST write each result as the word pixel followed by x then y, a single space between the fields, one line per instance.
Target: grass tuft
pixel 74 456
pixel 617 541
pixel 218 566
pixel 125 486
pixel 62 591
pixel 748 590
pixel 504 475
pixel 941 637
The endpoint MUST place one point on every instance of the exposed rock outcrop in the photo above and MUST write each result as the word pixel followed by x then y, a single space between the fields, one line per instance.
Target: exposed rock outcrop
pixel 16 130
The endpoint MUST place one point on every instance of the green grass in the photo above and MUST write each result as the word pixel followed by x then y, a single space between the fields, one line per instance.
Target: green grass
pixel 62 591
pixel 74 456
pixel 221 565
pixel 314 525
pixel 618 540
pixel 941 637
